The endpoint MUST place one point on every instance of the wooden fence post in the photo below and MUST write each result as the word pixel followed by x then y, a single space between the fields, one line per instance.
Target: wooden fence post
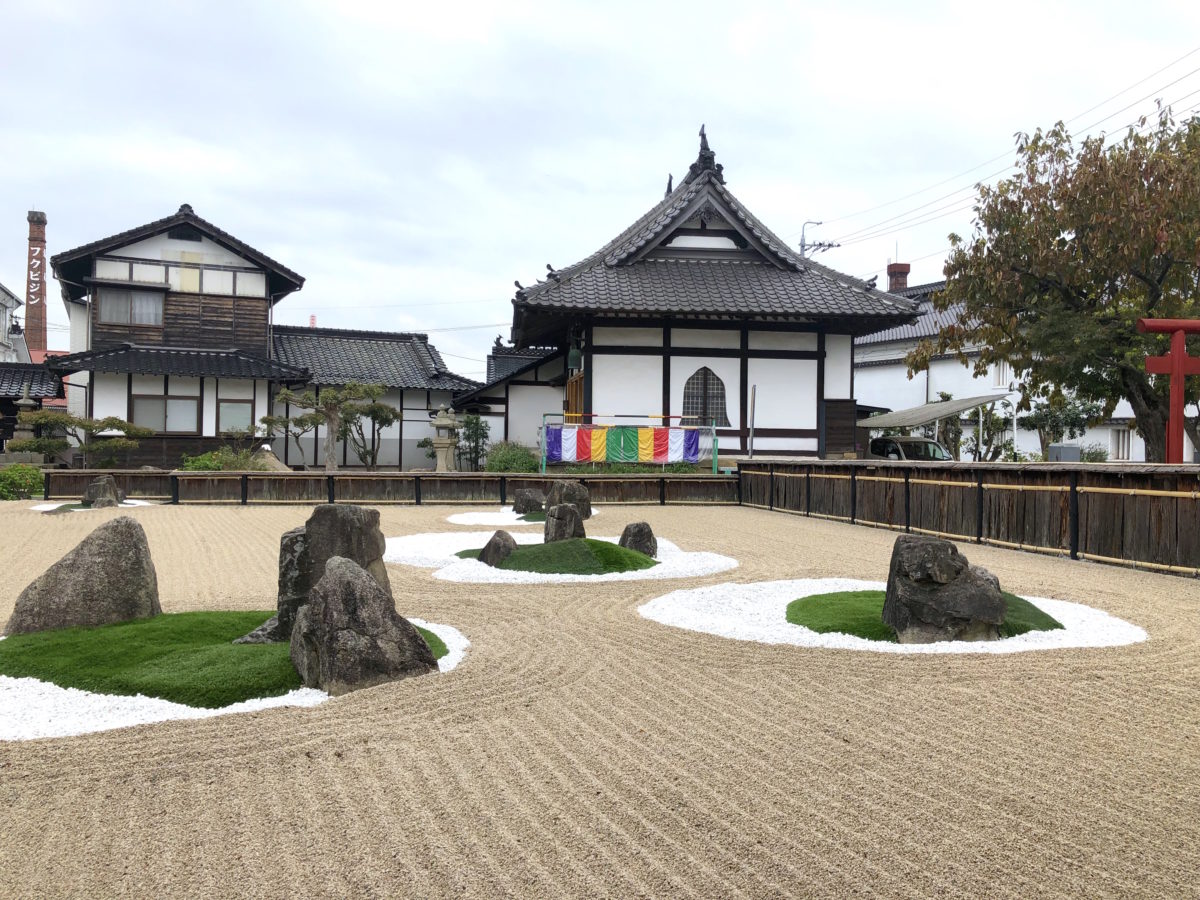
pixel 853 493
pixel 907 502
pixel 503 490
pixel 808 491
pixel 771 488
pixel 246 488
pixel 174 488
pixel 979 508
pixel 662 492
pixel 417 489
pixel 46 485
pixel 330 490
pixel 1073 516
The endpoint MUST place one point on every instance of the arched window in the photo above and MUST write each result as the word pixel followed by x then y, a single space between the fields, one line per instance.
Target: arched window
pixel 704 399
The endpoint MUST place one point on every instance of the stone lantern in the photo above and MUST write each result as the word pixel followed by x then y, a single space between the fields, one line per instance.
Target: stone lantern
pixel 445 439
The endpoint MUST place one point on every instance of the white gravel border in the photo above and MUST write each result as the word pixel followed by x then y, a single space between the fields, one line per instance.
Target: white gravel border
pixel 436 551
pixel 32 709
pixel 49 507
pixel 758 612
pixel 505 516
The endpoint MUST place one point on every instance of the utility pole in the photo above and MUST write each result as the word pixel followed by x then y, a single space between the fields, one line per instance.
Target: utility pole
pixel 817 246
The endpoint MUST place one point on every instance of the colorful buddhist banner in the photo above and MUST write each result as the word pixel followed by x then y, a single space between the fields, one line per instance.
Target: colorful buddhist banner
pixel 621 443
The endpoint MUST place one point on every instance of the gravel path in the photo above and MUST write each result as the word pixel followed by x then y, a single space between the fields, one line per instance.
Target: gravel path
pixel 583 750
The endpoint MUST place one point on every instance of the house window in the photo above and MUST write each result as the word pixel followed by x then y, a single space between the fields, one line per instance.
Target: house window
pixel 704 399
pixel 167 415
pixel 1002 375
pixel 1120 443
pixel 234 415
pixel 118 307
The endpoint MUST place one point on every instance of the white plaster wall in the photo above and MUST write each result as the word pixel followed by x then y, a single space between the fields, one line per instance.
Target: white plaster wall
pixel 161 247
pixel 787 393
pixel 768 445
pixel 627 386
pixel 148 384
pixel 526 404
pixel 235 388
pixel 260 403
pixel 627 337
pixel 706 337
pixel 209 415
pixel 727 369
pixel 77 396
pixel 77 316
pixel 837 367
pixel 110 396
pixel 782 340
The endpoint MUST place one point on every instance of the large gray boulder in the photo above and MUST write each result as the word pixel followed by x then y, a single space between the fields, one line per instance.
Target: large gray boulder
pixel 349 635
pixel 498 548
pixel 528 500
pixel 295 580
pixel 563 522
pixel 572 492
pixel 351 532
pixel 640 537
pixel 109 577
pixel 934 594
pixel 102 492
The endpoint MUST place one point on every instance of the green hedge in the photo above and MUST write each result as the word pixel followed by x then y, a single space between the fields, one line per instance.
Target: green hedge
pixel 20 479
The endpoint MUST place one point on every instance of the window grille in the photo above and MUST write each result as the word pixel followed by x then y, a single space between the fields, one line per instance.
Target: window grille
pixel 704 399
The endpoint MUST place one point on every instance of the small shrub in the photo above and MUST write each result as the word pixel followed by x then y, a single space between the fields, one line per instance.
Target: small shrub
pixel 1093 453
pixel 20 479
pixel 506 456
pixel 223 459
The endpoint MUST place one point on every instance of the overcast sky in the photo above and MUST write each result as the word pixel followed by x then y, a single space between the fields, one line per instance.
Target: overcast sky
pixel 412 160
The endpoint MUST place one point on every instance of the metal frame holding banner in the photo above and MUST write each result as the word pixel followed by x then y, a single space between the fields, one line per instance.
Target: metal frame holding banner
pixel 576 441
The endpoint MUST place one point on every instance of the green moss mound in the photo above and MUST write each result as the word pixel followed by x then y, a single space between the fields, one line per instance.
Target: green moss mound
pixel 578 556
pixel 534 517
pixel 860 613
pixel 187 658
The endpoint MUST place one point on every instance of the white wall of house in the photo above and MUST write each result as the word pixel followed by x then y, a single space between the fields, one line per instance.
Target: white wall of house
pixel 784 394
pixel 627 386
pixel 161 247
pixel 110 395
pixel 526 405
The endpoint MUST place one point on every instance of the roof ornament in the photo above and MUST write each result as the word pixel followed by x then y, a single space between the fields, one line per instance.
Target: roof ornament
pixel 871 282
pixel 670 185
pixel 706 161
pixel 185 209
pixel 553 274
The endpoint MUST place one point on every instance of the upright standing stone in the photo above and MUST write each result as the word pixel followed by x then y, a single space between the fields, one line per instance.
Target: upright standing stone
pixel 109 577
pixel 528 500
pixel 572 492
pixel 101 493
pixel 640 537
pixel 294 584
pixel 562 523
pixel 498 548
pixel 349 635
pixel 347 531
pixel 934 594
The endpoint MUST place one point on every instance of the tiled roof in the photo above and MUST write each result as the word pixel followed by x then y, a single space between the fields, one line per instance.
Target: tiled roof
pixel 182 361
pixel 395 359
pixel 42 382
pixel 10 299
pixel 185 215
pixel 505 361
pixel 526 365
pixel 782 285
pixel 929 323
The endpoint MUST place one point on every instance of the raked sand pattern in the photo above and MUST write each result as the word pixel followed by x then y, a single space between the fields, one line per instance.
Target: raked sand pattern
pixel 583 750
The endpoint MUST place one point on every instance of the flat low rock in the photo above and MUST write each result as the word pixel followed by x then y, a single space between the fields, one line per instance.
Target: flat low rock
pixel 349 635
pixel 498 548
pixel 528 500
pixel 639 536
pixel 109 577
pixel 935 594
pixel 572 492
pixel 563 522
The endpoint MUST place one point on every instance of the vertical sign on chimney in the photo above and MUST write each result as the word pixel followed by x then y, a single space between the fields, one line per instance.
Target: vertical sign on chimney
pixel 312 321
pixel 35 283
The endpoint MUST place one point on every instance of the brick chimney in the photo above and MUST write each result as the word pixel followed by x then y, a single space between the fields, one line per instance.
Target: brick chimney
pixel 898 276
pixel 35 283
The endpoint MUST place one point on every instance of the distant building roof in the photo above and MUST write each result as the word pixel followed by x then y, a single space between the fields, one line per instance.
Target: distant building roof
pixel 8 298
pixel 74 265
pixel 43 384
pixel 394 359
pixel 505 360
pixel 928 324
pixel 182 361
pixel 763 279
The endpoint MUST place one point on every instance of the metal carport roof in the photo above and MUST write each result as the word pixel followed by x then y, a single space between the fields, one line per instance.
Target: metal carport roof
pixel 930 412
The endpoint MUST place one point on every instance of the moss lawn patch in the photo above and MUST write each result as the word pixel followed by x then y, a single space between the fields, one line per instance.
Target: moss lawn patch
pixel 860 613
pixel 578 556
pixel 186 658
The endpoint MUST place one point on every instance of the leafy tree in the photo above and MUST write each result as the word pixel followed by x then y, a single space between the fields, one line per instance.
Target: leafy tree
pixel 294 427
pixel 363 423
pixel 328 409
pixel 948 431
pixel 1060 417
pixel 472 442
pixel 99 440
pixel 995 443
pixel 1067 254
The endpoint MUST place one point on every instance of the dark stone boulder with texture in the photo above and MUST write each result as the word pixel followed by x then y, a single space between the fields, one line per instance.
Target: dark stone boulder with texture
pixel 498 548
pixel 349 635
pixel 640 537
pixel 934 594
pixel 572 492
pixel 109 577
pixel 294 584
pixel 563 522
pixel 528 500
pixel 351 532
pixel 102 493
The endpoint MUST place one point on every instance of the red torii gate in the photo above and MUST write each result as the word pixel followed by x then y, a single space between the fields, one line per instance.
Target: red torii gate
pixel 1176 363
